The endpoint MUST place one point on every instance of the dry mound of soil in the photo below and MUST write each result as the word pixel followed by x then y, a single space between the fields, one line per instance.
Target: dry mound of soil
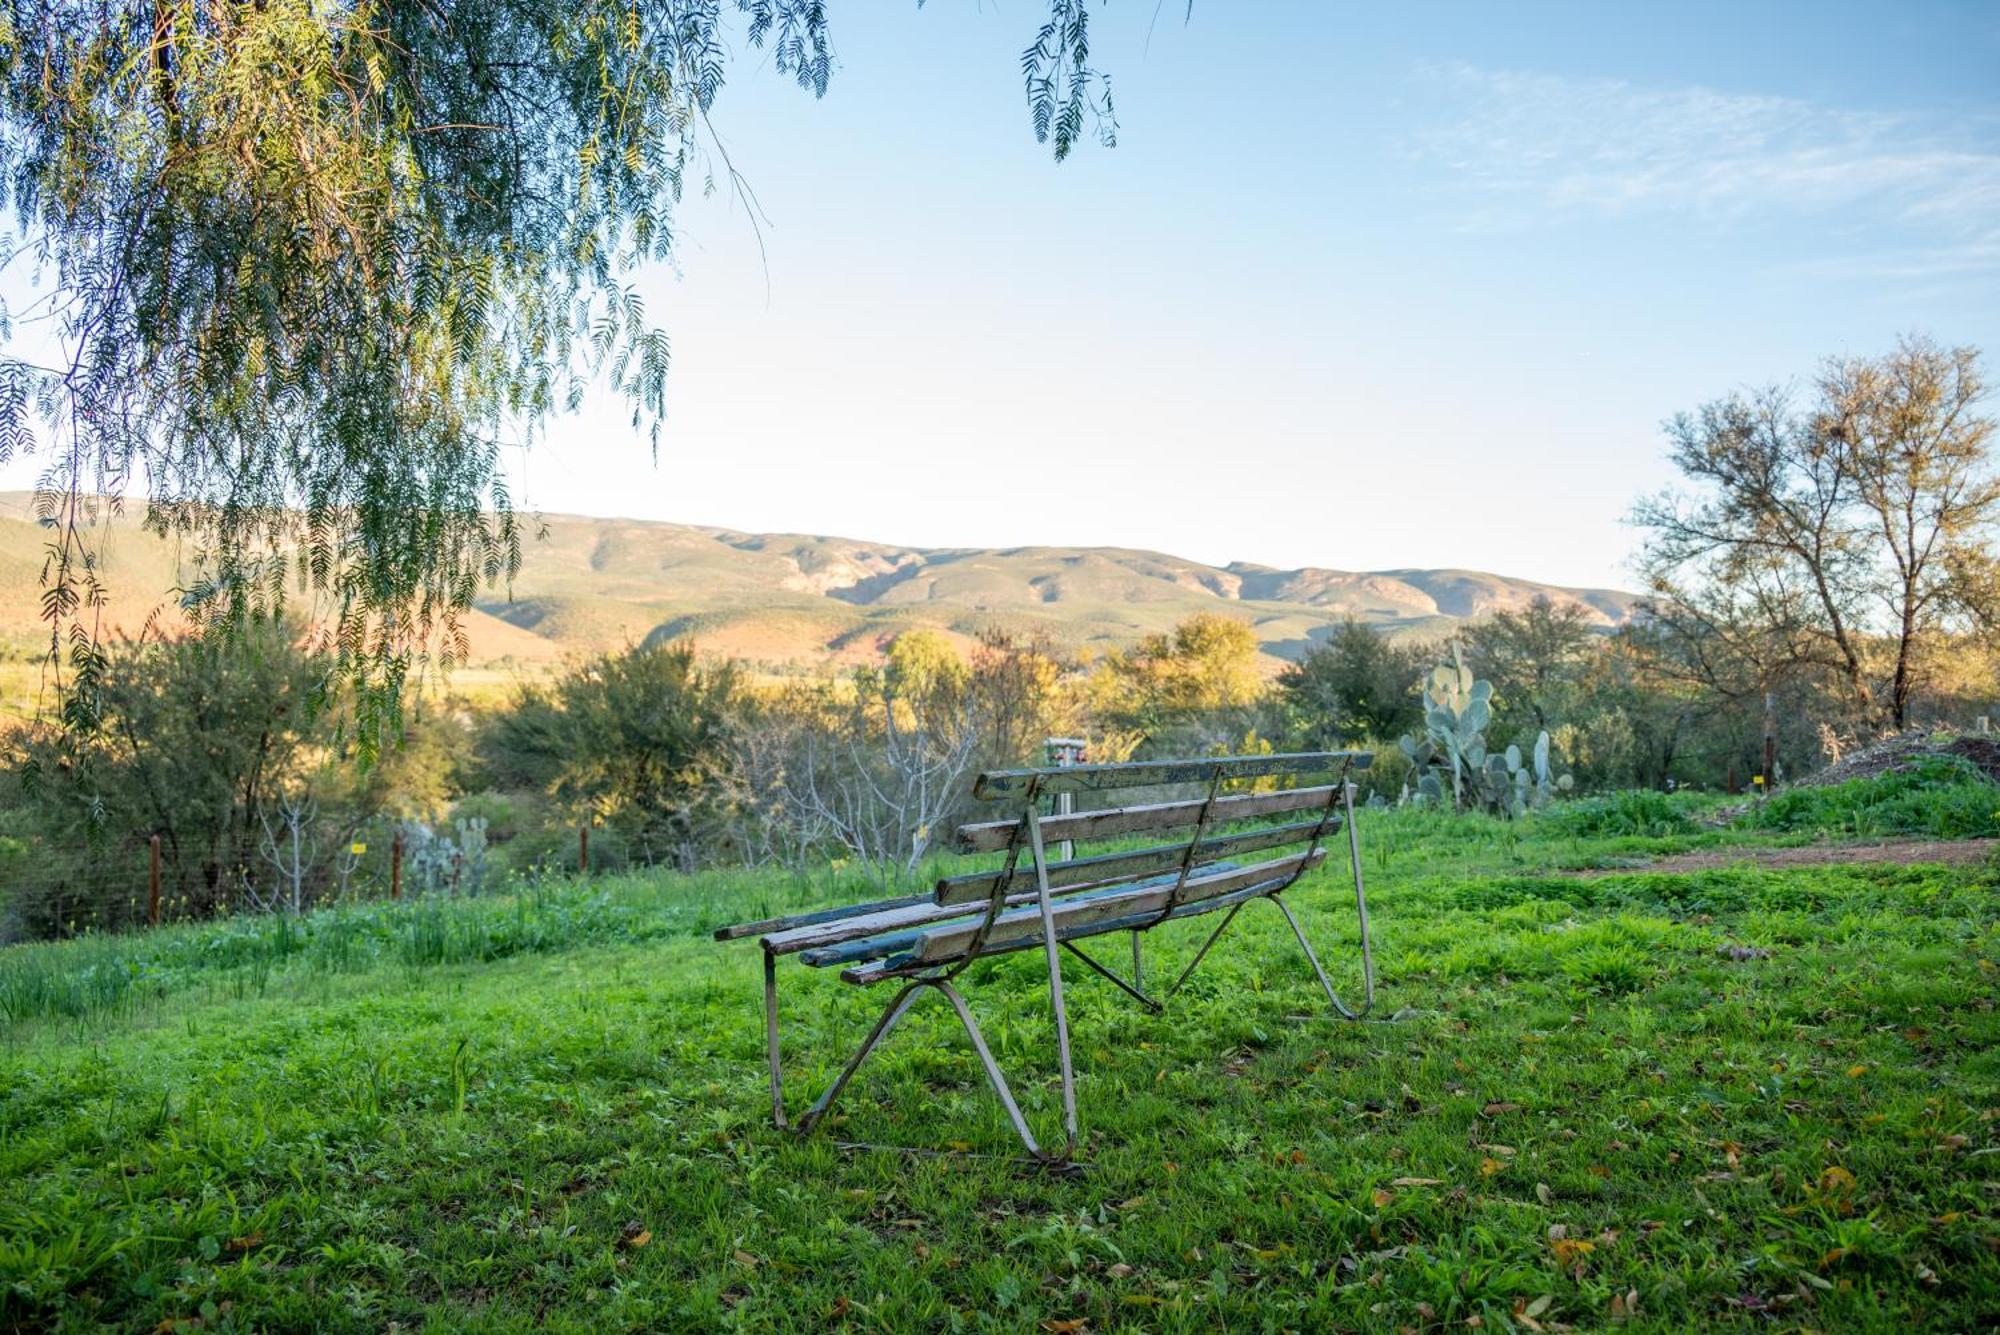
pixel 1902 751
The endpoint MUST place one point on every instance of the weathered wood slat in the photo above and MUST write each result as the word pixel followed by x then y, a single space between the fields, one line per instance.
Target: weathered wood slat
pixel 949 941
pixel 1152 773
pixel 895 942
pixel 810 935
pixel 758 928
pixel 978 886
pixel 875 971
pixel 992 836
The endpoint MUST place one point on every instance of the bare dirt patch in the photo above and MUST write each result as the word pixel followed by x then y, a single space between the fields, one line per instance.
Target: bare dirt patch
pixel 1954 852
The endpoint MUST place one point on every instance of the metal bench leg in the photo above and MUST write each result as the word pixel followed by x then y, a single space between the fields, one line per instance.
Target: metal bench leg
pixel 771 1039
pixel 1213 937
pixel 890 1016
pixel 1049 947
pixel 1361 912
pixel 1127 988
pixel 1313 960
pixel 1277 897
pixel 897 1008
pixel 993 1076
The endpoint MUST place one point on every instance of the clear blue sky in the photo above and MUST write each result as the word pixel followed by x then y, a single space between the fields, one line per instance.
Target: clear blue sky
pixel 1358 287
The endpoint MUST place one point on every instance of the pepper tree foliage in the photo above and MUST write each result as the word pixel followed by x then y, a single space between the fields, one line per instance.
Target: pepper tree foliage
pixel 309 262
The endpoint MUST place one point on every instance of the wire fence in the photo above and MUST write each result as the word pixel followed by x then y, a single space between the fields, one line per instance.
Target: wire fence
pixel 50 889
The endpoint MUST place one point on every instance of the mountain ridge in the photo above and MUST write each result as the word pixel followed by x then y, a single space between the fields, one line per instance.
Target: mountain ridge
pixel 799 599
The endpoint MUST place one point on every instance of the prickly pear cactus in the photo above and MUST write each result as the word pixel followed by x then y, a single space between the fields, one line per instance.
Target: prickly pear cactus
pixel 1452 748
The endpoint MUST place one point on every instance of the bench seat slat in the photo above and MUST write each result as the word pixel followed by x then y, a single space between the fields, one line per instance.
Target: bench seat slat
pixel 977 887
pixel 811 935
pixel 895 942
pixel 1154 773
pixel 736 931
pixel 992 836
pixel 908 913
pixel 948 941
pixel 874 971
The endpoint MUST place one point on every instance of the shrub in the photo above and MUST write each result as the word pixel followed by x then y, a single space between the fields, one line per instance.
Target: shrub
pixel 1943 797
pixel 1652 815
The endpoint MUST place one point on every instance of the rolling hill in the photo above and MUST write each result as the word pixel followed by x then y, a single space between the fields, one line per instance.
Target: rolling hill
pixel 803 600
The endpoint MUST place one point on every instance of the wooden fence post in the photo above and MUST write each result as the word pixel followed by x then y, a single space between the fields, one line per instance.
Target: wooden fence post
pixel 583 850
pixel 396 866
pixel 153 881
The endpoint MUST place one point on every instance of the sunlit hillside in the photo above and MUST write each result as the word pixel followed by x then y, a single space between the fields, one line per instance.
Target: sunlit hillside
pixel 793 599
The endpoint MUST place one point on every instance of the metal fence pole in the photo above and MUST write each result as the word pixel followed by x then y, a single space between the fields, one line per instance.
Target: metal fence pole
pixel 1770 743
pixel 1064 752
pixel 153 881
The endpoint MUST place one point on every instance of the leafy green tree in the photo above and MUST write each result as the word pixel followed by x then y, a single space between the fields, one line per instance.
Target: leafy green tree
pixel 1353 686
pixel 198 742
pixel 1536 659
pixel 638 740
pixel 1197 686
pixel 311 263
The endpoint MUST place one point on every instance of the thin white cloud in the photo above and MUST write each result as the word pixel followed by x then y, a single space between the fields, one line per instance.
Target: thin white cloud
pixel 1528 144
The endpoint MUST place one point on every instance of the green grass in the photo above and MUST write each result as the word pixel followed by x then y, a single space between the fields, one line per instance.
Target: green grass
pixel 1650 815
pixel 472 1115
pixel 1942 797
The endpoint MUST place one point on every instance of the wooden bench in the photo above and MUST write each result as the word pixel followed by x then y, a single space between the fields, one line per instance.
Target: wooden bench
pixel 1236 851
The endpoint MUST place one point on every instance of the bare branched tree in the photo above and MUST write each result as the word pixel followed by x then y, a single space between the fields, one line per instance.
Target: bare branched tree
pixel 290 845
pixel 1837 541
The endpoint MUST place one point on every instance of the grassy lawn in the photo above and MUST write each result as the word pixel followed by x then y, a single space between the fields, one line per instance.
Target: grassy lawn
pixel 551 1111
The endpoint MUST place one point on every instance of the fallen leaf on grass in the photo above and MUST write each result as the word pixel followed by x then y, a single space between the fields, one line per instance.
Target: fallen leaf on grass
pixel 635 1234
pixel 246 1242
pixel 1488 1167
pixel 1543 1194
pixel 1067 1325
pixel 1417 1182
pixel 1856 1072
pixel 1625 1306
pixel 1382 1196
pixel 1496 1108
pixel 1568 1251
pixel 1119 1270
pixel 744 1259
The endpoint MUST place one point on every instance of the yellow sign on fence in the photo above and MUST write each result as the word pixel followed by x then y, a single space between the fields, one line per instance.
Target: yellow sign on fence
pixel 357 848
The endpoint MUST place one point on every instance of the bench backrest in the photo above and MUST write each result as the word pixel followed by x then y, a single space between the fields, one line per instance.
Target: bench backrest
pixel 1198 859
pixel 1229 843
